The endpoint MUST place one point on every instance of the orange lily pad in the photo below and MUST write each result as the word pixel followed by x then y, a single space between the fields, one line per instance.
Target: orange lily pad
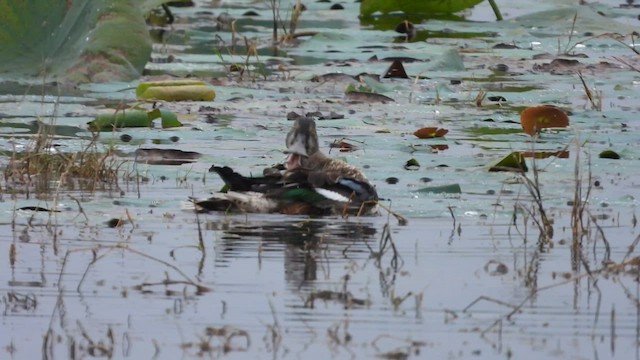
pixel 430 132
pixel 535 118
pixel 343 146
pixel 439 147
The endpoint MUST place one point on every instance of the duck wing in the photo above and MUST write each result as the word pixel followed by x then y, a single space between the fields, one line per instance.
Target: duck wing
pixel 342 188
pixel 240 183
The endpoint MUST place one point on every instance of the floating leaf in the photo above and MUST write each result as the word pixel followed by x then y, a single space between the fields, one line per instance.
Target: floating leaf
pixel 368 7
pixel 358 88
pixel 443 189
pixel 343 146
pixel 512 162
pixel 133 118
pixel 439 147
pixel 37 208
pixel 412 164
pixel 156 156
pixel 80 41
pixel 143 86
pixel 430 132
pixel 174 92
pixel 609 154
pixel 168 118
pixel 562 154
pixel 396 71
pixel 120 119
pixel 366 97
pixel 337 77
pixel 535 118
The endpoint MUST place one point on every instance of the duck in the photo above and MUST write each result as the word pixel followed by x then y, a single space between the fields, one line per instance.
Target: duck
pixel 308 183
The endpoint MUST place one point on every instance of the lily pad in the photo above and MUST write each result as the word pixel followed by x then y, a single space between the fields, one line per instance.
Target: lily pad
pixel 156 156
pixel 412 164
pixel 512 162
pixel 368 7
pixel 133 118
pixel 609 154
pixel 366 97
pixel 78 41
pixel 443 189
pixel 561 154
pixel 535 118
pixel 143 86
pixel 396 71
pixel 180 90
pixel 430 132
pixel 168 118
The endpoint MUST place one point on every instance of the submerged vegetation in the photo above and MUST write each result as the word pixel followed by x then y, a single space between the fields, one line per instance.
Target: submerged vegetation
pixel 41 170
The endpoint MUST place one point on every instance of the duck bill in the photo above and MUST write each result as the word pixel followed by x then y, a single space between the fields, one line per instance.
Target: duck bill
pixel 296 152
pixel 294 161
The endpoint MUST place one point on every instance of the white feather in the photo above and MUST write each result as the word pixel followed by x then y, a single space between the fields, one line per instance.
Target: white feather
pixel 249 201
pixel 331 195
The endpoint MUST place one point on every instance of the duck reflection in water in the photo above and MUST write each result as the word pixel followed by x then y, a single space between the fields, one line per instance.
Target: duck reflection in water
pixel 303 241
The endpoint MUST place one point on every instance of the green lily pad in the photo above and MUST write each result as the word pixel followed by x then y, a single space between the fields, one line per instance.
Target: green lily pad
pixel 368 7
pixel 443 189
pixel 512 162
pixel 133 118
pixel 412 164
pixel 78 41
pixel 609 154
pixel 168 118
pixel 143 86
pixel 179 93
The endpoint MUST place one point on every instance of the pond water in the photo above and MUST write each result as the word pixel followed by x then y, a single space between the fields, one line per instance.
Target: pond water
pixel 467 277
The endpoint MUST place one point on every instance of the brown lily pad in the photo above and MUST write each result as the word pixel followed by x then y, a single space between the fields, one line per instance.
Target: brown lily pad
pixel 155 156
pixel 430 132
pixel 343 146
pixel 439 147
pixel 366 97
pixel 535 118
pixel 396 71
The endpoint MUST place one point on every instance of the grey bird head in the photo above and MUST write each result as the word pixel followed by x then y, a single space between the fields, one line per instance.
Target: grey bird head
pixel 302 139
pixel 302 142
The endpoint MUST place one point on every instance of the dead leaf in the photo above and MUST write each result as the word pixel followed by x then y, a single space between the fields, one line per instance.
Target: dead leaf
pixel 156 156
pixel 396 71
pixel 366 97
pixel 535 118
pixel 430 132
pixel 343 146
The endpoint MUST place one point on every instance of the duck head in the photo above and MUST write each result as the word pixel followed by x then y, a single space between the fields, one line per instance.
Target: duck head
pixel 302 142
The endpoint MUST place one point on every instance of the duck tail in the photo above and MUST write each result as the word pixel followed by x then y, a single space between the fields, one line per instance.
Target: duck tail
pixel 234 181
pixel 238 201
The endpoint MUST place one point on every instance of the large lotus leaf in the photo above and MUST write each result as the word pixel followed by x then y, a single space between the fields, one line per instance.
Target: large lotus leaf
pixel 587 19
pixel 368 7
pixel 80 41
